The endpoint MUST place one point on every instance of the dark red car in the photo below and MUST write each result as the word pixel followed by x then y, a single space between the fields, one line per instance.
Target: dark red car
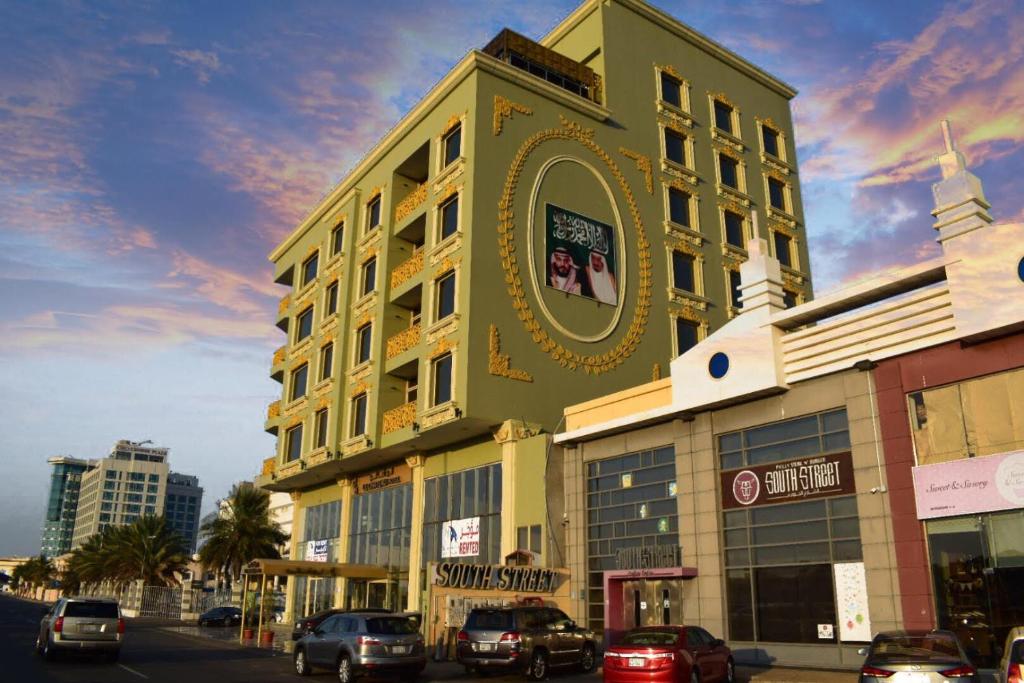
pixel 652 654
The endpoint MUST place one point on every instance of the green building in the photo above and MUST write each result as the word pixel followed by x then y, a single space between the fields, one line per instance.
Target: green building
pixel 62 504
pixel 553 222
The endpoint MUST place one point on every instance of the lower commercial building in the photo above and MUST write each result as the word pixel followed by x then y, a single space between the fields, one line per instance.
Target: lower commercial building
pixel 184 499
pixel 62 504
pixel 808 477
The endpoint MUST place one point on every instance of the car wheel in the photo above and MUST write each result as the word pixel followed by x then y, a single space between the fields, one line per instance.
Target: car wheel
pixel 538 670
pixel 301 665
pixel 227 621
pixel 588 660
pixel 345 673
pixel 47 651
pixel 730 672
pixel 694 676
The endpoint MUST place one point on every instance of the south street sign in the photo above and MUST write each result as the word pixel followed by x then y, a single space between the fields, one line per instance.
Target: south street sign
pixel 495 577
pixel 784 482
pixel 649 557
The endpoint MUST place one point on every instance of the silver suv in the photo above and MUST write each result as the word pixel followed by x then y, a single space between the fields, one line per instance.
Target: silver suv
pixel 527 639
pixel 355 643
pixel 81 624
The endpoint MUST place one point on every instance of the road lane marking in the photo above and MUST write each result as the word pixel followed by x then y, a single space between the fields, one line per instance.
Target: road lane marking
pixel 132 671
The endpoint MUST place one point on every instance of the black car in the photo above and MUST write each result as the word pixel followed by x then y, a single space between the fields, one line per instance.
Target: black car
pixel 527 639
pixel 221 616
pixel 305 625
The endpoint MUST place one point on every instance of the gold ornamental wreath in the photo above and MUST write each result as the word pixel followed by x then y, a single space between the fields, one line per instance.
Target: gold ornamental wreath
pixel 567 358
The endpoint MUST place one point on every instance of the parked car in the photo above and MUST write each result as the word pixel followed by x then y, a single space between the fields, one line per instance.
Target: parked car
pixel 356 643
pixel 935 656
pixel 1011 667
pixel 92 625
pixel 527 639
pixel 221 616
pixel 305 625
pixel 669 653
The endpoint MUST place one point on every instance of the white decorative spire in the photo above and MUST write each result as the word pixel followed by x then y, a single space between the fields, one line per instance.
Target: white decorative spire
pixel 760 281
pixel 960 205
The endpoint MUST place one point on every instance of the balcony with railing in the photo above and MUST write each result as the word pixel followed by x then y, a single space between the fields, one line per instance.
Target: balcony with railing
pixel 277 365
pixel 407 269
pixel 282 311
pixel 412 201
pixel 399 418
pixel 403 341
pixel 273 417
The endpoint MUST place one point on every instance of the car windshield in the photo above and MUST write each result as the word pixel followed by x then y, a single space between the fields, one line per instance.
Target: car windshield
pixel 927 647
pixel 1017 653
pixel 490 621
pixel 390 626
pixel 650 638
pixel 91 610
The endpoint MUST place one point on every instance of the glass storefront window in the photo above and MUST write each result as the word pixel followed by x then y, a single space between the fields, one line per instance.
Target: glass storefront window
pixel 460 495
pixel 779 558
pixel 380 533
pixel 982 416
pixel 321 523
pixel 631 502
pixel 978 570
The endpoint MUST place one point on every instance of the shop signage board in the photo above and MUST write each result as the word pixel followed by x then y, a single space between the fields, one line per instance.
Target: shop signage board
pixel 852 602
pixel 460 537
pixel 494 577
pixel 785 482
pixel 384 478
pixel 649 557
pixel 316 551
pixel 970 486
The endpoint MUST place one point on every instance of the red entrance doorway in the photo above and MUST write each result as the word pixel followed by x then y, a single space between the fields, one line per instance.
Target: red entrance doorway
pixel 643 597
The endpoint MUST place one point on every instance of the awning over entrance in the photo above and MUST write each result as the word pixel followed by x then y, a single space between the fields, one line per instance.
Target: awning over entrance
pixel 306 568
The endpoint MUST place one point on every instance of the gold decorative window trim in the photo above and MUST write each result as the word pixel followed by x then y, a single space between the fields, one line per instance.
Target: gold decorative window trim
pixel 360 371
pixel 300 348
pixel 679 119
pixel 689 249
pixel 500 364
pixel 656 372
pixel 357 444
pixel 446 264
pixel 289 469
pixel 370 241
pixel 323 387
pixel 447 325
pixel 398 418
pixel 503 109
pixel 403 341
pixel 337 220
pixel 733 138
pixel 446 248
pixel 364 318
pixel 359 387
pixel 783 227
pixel 407 269
pixel 643 164
pixel 450 190
pixel 438 415
pixel 453 120
pixel 318 457
pixel 297 406
pixel 374 193
pixel 364 303
pixel 448 175
pixel 793 279
pixel 568 358
pixel 684 90
pixel 779 162
pixel 411 202
pixel 444 345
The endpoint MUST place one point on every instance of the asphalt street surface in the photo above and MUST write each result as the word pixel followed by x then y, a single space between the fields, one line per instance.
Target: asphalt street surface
pixel 164 655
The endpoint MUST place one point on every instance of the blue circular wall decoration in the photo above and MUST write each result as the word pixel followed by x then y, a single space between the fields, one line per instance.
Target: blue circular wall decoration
pixel 718 365
pixel 1020 269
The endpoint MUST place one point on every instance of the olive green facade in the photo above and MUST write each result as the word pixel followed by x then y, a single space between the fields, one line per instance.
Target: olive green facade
pixel 518 349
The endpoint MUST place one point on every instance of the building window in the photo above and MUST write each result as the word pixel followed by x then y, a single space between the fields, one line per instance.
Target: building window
pixel 529 538
pixel 469 493
pixel 369 280
pixel 683 266
pixel 789 298
pixel 326 361
pixel 320 429
pixel 631 503
pixel 411 385
pixel 445 288
pixel 770 141
pixel 442 375
pixel 309 269
pixel 671 90
pixel 777 194
pixel 687 335
pixel 723 117
pixel 322 523
pixel 332 298
pixel 304 328
pixel 337 235
pixel 293 443
pixel 970 419
pixel 373 213
pixel 453 144
pixel 359 415
pixel 734 229
pixel 783 248
pixel 364 337
pixel 734 288
pixel 675 147
pixel 449 213
pixel 380 533
pixel 728 171
pixel 679 206
pixel 299 377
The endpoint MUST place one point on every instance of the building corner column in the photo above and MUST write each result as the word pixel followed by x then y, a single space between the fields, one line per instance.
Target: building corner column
pixel 289 594
pixel 416 565
pixel 347 485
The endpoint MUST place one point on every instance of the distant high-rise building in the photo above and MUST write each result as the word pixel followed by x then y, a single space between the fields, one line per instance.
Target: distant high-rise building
pixel 127 484
pixel 65 484
pixel 181 506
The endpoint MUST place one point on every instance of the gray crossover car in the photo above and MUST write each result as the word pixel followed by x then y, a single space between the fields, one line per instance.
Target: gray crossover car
pixel 82 625
pixel 356 643
pixel 528 639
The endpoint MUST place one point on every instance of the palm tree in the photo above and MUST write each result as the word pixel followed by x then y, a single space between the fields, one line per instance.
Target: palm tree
pixel 146 549
pixel 242 533
pixel 38 571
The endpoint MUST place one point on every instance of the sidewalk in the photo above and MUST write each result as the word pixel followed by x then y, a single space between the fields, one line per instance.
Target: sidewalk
pixel 783 675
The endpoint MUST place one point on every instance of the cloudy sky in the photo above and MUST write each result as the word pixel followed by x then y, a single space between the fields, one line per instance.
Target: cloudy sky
pixel 151 155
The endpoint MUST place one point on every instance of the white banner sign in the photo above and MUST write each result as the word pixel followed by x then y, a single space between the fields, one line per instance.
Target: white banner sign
pixel 852 602
pixel 316 551
pixel 460 538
